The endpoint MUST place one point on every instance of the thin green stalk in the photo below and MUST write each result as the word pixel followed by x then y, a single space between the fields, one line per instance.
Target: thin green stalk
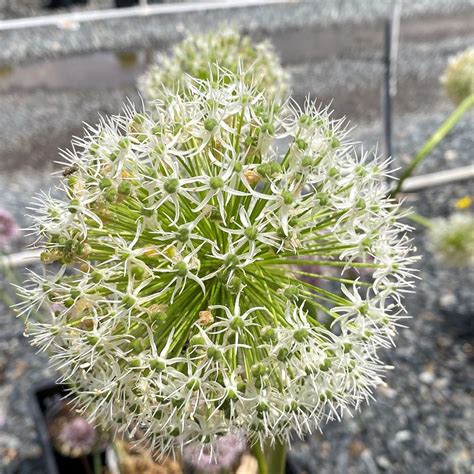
pixel 433 141
pixel 262 462
pixel 12 279
pixel 420 220
pixel 276 457
pixel 6 299
pixel 271 459
pixel 325 263
pixel 97 462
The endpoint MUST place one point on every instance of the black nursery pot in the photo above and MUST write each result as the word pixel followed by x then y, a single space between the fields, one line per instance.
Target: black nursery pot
pixel 65 3
pixel 125 3
pixel 45 398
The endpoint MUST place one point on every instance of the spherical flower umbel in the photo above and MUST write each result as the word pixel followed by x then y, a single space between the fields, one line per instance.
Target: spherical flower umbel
pixel 185 304
pixel 452 239
pixel 201 55
pixel 73 435
pixel 458 78
pixel 77 436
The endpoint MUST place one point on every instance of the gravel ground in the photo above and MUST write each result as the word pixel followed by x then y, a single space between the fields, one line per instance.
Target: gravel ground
pixel 420 422
pixel 32 112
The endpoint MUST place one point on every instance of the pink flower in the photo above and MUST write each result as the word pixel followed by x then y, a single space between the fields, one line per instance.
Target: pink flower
pixel 73 436
pixel 223 455
pixel 8 227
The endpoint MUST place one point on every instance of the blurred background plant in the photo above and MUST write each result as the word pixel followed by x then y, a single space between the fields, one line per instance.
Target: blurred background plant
pixel 132 459
pixel 201 55
pixel 451 239
pixel 74 436
pixel 9 232
pixel 8 229
pixel 458 78
pixel 228 451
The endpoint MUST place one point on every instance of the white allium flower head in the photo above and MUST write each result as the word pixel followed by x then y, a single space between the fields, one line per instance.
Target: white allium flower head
pixel 451 239
pixel 458 78
pixel 202 54
pixel 184 301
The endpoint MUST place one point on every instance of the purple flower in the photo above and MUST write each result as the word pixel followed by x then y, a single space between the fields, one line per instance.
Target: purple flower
pixel 73 436
pixel 8 227
pixel 222 455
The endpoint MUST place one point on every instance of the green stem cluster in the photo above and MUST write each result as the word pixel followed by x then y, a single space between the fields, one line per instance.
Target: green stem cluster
pixel 433 141
pixel 271 459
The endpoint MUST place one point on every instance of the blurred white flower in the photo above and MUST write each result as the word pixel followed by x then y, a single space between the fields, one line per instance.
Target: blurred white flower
pixel 458 78
pixel 202 55
pixel 451 239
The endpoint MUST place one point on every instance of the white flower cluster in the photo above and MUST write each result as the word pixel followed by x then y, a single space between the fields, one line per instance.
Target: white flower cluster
pixel 452 239
pixel 186 303
pixel 202 55
pixel 458 78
